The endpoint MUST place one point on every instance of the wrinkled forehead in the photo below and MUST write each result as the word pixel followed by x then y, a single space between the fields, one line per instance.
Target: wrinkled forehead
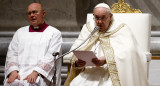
pixel 34 6
pixel 100 10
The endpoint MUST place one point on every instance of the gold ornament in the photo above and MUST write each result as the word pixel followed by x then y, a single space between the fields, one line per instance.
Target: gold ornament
pixel 122 7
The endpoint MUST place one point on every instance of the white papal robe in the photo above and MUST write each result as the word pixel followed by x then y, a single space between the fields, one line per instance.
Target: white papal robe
pixel 30 51
pixel 130 60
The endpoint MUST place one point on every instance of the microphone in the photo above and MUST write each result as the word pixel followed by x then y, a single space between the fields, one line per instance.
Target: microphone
pixel 57 53
pixel 95 29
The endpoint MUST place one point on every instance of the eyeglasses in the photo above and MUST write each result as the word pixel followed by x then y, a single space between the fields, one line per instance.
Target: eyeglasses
pixel 33 12
pixel 102 19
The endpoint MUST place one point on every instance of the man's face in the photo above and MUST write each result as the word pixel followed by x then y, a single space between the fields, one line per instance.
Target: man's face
pixel 35 14
pixel 102 18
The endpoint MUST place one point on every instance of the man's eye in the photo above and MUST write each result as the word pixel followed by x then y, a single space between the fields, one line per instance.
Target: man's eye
pixel 34 12
pixel 97 18
pixel 29 13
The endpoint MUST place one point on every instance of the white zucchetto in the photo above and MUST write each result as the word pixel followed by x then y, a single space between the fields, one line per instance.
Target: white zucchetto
pixel 102 5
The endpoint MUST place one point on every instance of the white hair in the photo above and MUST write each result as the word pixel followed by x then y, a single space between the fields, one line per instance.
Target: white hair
pixel 103 5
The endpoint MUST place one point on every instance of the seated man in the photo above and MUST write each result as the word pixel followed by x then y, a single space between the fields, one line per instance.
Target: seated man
pixel 119 62
pixel 29 59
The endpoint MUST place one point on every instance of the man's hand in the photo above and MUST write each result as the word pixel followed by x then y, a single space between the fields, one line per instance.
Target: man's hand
pixel 80 63
pixel 99 61
pixel 13 75
pixel 31 78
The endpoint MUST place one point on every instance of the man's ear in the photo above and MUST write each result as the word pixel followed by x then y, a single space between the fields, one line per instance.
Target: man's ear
pixel 44 14
pixel 111 15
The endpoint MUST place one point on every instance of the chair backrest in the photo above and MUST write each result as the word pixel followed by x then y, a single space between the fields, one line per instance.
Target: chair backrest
pixel 140 24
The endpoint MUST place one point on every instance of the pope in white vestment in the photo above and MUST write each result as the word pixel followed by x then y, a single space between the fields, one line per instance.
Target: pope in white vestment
pixel 30 51
pixel 126 63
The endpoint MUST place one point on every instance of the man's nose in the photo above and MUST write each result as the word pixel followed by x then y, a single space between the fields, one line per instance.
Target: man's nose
pixel 32 14
pixel 99 21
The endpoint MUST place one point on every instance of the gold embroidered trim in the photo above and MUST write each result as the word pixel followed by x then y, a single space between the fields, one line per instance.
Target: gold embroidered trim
pixel 111 64
pixel 109 54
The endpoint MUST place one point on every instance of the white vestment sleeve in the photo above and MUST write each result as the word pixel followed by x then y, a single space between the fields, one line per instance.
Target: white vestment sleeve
pixel 12 55
pixel 46 63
